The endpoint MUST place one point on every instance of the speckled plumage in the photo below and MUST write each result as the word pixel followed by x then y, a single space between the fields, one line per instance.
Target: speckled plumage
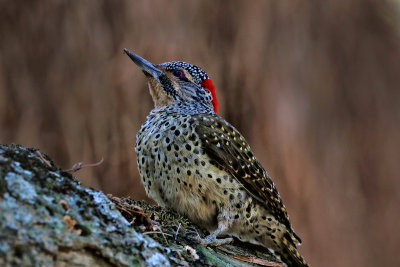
pixel 192 160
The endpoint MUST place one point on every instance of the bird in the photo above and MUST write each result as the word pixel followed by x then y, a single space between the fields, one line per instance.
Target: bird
pixel 192 160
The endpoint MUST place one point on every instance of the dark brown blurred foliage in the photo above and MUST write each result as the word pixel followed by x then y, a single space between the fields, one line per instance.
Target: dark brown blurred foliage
pixel 313 85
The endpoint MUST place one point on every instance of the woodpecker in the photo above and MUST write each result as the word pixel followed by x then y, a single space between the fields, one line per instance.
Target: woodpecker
pixel 191 160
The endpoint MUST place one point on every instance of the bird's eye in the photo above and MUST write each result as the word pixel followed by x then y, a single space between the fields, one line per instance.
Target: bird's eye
pixel 178 73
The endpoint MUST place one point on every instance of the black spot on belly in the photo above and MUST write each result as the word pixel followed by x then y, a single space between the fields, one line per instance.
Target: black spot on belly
pixel 248 208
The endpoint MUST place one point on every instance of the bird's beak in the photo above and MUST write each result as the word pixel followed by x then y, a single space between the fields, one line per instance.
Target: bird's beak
pixel 147 67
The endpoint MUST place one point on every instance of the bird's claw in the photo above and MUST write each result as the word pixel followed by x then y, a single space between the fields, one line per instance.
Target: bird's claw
pixel 192 233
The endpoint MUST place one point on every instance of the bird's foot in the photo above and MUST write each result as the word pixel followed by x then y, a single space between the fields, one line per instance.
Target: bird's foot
pixel 211 240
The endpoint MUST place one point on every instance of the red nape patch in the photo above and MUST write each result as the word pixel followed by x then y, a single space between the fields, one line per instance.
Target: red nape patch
pixel 208 85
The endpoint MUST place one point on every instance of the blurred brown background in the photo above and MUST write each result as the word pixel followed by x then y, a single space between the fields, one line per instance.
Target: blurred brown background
pixel 314 86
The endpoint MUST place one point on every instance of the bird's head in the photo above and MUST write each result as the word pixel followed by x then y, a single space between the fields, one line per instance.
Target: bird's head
pixel 177 82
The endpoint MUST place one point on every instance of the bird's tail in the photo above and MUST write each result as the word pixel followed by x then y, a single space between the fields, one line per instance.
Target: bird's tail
pixel 290 255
